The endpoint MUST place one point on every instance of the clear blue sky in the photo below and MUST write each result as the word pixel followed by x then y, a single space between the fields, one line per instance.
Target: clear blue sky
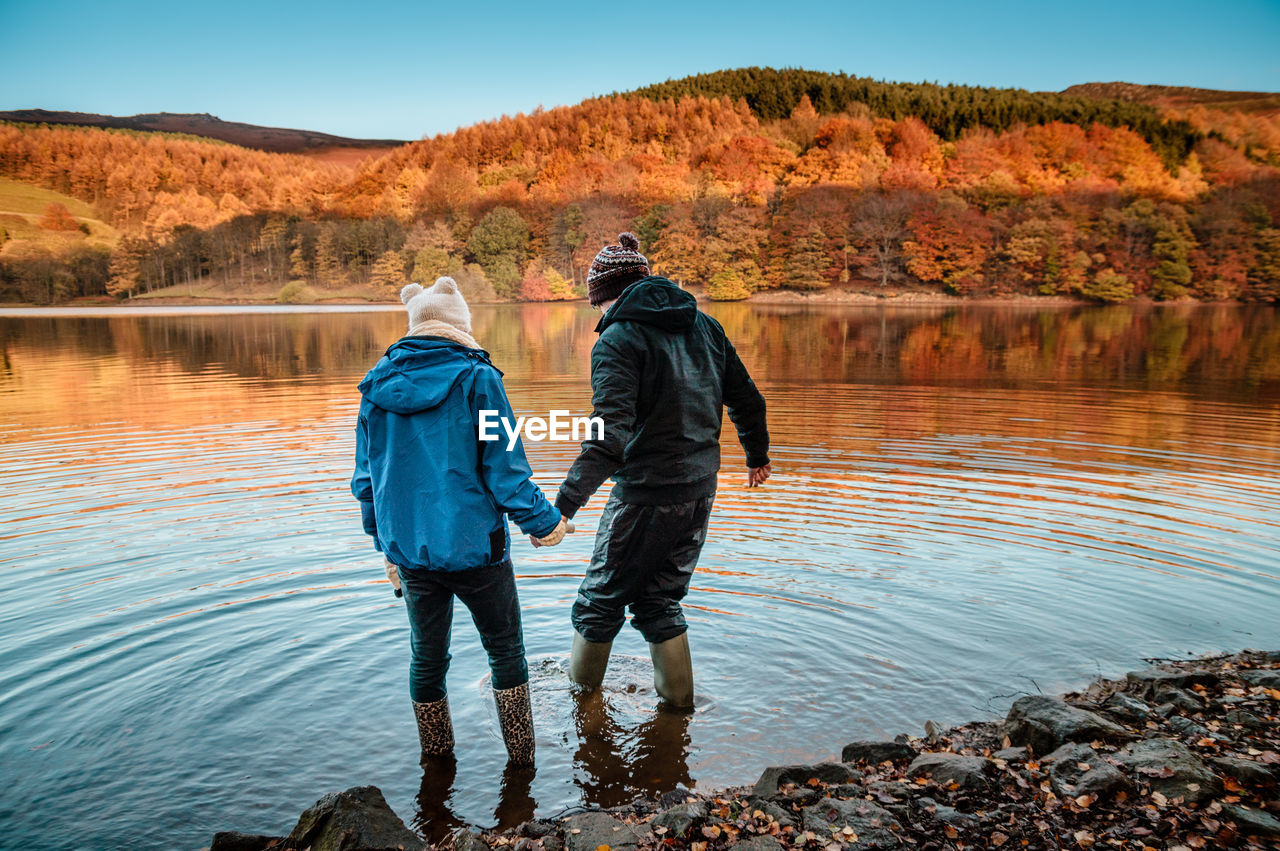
pixel 384 69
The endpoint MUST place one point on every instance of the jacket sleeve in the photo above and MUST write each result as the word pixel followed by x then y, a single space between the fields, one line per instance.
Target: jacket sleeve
pixel 615 378
pixel 507 475
pixel 361 481
pixel 746 408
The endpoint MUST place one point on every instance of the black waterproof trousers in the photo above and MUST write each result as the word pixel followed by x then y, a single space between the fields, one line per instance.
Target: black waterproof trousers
pixel 644 559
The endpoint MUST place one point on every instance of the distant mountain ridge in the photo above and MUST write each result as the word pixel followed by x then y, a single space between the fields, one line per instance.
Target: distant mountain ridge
pixel 278 140
pixel 1180 97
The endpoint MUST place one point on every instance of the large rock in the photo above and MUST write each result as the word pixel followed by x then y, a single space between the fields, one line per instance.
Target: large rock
pixel 945 814
pixel 468 840
pixel 1045 722
pixel 589 831
pixel 1252 822
pixel 678 819
pixel 1188 729
pixel 1171 769
pixel 1097 777
pixel 1018 754
pixel 1187 701
pixel 1247 720
pixel 873 826
pixel 874 753
pixel 358 819
pixel 1150 680
pixel 890 791
pixel 777 813
pixel 827 772
pixel 1264 677
pixel 1127 708
pixel 1246 771
pixel 230 840
pixel 966 772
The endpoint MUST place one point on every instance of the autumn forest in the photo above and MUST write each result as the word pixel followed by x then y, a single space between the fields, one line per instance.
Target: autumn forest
pixel 736 182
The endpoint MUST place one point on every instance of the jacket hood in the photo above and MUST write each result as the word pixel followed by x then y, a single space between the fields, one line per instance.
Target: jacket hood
pixel 653 301
pixel 417 373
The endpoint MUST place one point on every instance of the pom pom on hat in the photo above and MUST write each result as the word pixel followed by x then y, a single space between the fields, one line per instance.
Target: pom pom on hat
pixel 409 292
pixel 629 241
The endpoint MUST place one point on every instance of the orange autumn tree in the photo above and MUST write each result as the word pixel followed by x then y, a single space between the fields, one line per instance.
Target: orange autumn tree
pixel 950 244
pixel 57 217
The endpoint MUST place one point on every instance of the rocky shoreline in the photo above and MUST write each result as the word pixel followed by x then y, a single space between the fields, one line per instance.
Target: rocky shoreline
pixel 1183 755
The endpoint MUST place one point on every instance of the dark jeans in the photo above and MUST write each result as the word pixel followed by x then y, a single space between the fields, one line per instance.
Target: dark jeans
pixel 490 595
pixel 644 559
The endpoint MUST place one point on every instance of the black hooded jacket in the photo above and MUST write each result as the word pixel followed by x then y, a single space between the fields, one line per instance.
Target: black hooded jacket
pixel 661 374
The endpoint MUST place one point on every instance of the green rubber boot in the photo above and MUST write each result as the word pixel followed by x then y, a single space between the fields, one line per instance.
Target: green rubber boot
pixel 588 661
pixel 673 671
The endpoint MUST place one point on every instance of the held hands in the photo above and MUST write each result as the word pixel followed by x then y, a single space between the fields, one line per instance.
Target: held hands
pixel 757 476
pixel 564 527
pixel 394 575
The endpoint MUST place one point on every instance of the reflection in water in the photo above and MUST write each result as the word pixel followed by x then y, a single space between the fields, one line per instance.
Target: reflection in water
pixel 615 764
pixel 435 818
pixel 962 496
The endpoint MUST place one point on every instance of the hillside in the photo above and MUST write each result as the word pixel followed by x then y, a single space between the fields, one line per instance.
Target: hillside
pixel 68 249
pixel 946 110
pixel 21 207
pixel 1180 97
pixel 272 139
pixel 858 185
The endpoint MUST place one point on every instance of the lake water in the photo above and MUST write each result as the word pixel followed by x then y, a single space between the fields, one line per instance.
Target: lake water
pixel 968 504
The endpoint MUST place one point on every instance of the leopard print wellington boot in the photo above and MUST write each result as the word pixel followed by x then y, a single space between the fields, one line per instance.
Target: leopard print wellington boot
pixel 515 716
pixel 435 729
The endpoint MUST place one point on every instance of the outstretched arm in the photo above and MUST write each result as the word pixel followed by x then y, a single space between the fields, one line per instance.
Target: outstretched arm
pixel 747 412
pixel 615 378
pixel 506 474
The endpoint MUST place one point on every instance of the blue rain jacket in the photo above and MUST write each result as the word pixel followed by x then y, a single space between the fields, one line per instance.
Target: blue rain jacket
pixel 432 494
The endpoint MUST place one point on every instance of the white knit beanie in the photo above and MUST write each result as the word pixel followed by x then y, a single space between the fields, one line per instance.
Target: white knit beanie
pixel 442 302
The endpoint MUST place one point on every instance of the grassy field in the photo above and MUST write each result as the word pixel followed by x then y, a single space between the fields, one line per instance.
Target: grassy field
pixel 21 206
pixel 215 290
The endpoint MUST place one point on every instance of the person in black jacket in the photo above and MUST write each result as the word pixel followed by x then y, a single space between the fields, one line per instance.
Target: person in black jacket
pixel 661 374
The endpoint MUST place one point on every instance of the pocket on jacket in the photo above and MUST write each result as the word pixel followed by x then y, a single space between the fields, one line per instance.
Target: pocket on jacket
pixel 497 544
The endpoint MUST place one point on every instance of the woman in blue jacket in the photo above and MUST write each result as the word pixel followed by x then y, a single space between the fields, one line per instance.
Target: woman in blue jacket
pixel 435 498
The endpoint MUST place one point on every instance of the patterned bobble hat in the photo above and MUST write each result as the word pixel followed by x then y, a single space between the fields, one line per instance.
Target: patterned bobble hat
pixel 615 268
